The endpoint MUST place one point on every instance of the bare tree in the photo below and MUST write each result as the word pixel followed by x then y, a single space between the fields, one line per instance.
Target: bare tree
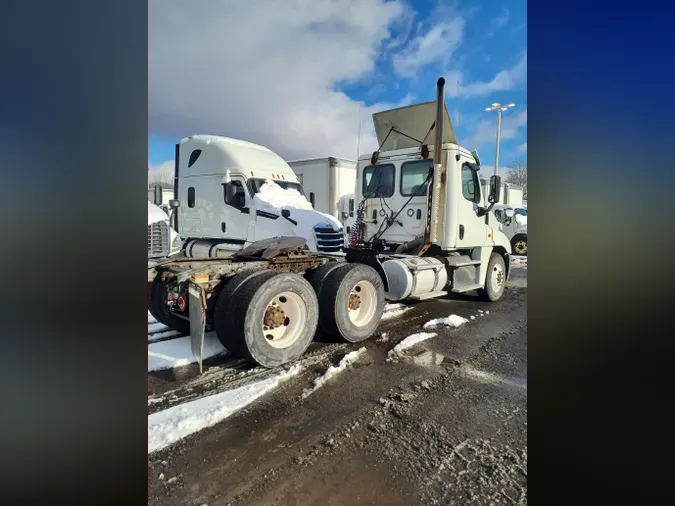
pixel 162 174
pixel 517 175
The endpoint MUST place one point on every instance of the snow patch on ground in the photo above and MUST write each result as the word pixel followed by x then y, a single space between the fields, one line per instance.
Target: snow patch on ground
pixel 518 262
pixel 451 321
pixel 168 426
pixel 394 313
pixel 334 370
pixel 157 327
pixel 177 352
pixel 409 341
pixel 161 335
pixel 151 319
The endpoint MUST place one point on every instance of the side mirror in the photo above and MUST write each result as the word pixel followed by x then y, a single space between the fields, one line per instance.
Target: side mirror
pixel 174 204
pixel 158 195
pixel 344 215
pixel 495 189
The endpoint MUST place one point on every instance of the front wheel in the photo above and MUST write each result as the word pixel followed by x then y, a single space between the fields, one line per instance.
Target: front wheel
pixel 495 280
pixel 519 245
pixel 272 319
pixel 351 299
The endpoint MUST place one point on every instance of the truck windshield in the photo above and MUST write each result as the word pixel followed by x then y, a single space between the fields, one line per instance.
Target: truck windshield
pixel 255 184
pixel 522 212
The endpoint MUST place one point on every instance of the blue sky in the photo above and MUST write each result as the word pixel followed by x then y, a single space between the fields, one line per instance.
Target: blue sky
pixel 300 86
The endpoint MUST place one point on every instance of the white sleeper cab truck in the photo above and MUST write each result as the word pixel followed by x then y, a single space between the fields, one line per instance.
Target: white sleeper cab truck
pixel 513 221
pixel 163 241
pixel 419 233
pixel 325 180
pixel 233 193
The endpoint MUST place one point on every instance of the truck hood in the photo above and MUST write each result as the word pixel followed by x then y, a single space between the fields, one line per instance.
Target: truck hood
pixel 155 214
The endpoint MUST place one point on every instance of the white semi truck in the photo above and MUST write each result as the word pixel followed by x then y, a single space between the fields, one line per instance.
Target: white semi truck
pixel 325 181
pixel 163 241
pixel 513 221
pixel 419 233
pixel 218 182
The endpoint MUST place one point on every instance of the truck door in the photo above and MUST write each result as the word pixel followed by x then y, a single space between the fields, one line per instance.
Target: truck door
pixel 235 210
pixel 472 228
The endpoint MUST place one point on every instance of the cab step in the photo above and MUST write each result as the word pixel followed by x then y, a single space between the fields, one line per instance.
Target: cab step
pixel 466 288
pixel 428 295
pixel 461 261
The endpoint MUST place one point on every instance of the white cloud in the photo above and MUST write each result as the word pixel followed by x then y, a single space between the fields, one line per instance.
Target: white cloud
pixel 265 71
pixel 435 43
pixel 499 21
pixel 522 148
pixel 506 79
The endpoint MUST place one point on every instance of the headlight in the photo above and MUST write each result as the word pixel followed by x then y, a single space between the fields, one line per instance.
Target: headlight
pixel 176 244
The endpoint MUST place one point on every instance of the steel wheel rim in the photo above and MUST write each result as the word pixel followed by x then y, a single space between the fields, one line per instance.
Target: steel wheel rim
pixel 497 277
pixel 367 297
pixel 521 247
pixel 289 310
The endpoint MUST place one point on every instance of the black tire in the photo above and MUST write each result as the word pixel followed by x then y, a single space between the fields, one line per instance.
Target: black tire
pixel 318 275
pixel 491 292
pixel 334 295
pixel 519 245
pixel 248 309
pixel 222 311
pixel 160 311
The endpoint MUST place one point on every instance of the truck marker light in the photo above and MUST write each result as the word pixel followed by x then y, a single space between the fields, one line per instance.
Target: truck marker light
pixel 201 279
pixel 251 173
pixel 181 303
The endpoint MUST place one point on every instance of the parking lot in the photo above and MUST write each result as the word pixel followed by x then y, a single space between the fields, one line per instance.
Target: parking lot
pixel 422 413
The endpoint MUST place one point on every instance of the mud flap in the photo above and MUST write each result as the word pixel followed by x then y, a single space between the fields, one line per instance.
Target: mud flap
pixel 197 322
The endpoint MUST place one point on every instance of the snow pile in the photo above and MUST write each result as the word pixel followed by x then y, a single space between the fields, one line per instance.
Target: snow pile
pixel 409 341
pixel 151 319
pixel 168 426
pixel 334 370
pixel 451 321
pixel 273 198
pixel 394 311
pixel 177 352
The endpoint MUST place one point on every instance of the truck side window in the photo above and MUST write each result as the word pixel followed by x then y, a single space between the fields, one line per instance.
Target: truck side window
pixel 469 184
pixel 414 177
pixel 378 181
pixel 234 195
pixel 193 157
pixel 351 207
pixel 191 196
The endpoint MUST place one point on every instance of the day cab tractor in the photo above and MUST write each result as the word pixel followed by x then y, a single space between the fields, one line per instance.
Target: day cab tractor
pixel 419 233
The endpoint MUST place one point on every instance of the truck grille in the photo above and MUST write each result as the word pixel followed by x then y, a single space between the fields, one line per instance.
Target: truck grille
pixel 329 240
pixel 158 239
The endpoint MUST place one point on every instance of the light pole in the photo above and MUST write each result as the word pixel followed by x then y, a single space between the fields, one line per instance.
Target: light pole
pixel 499 108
